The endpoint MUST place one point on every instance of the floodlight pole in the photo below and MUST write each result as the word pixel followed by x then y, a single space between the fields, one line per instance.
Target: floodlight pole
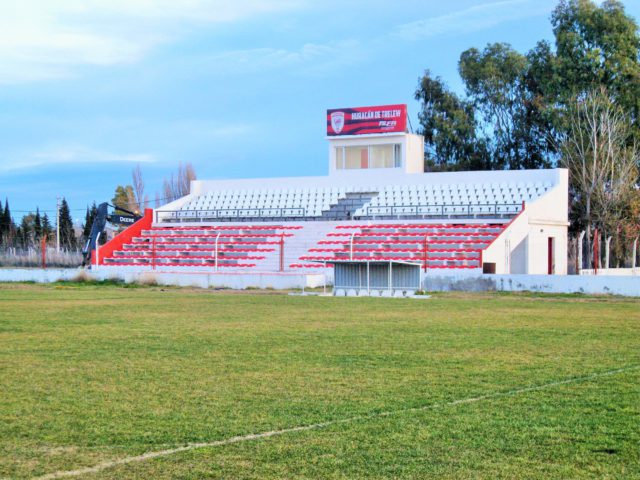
pixel 57 224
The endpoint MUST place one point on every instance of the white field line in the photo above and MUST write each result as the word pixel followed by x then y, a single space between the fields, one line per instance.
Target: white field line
pixel 256 436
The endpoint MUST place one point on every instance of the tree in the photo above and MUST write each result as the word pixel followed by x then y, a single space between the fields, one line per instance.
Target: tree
pixel 602 160
pixel 138 188
pixel 519 103
pixel 47 229
pixel 67 232
pixel 37 226
pixel 124 197
pixel 449 128
pixel 25 232
pixel 179 184
pixel 597 46
pixel 8 227
pixel 497 81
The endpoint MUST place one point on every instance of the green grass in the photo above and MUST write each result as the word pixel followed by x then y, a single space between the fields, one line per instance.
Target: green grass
pixel 91 373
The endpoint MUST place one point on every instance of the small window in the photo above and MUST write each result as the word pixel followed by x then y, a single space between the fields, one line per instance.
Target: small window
pixel 382 156
pixel 356 157
pixel 369 156
pixel 339 158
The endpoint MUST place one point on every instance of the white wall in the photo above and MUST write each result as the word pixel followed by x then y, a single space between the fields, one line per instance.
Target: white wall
pixel 523 247
pixel 132 275
pixel 608 285
pixel 378 177
pixel 510 250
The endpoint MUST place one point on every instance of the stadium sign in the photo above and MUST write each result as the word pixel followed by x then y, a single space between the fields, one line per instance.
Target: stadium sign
pixel 367 120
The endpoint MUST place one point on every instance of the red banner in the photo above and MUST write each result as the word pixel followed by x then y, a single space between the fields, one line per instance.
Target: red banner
pixel 367 120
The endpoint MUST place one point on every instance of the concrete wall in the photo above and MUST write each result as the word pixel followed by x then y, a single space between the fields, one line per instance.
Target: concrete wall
pixel 619 272
pixel 202 280
pixel 614 285
pixel 379 177
pixel 588 284
pixel 510 251
pixel 523 247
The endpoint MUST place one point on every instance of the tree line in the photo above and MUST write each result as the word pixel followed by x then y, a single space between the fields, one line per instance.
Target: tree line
pixel 34 226
pixel 574 104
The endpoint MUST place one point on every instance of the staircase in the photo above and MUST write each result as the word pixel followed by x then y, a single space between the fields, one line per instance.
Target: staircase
pixel 347 207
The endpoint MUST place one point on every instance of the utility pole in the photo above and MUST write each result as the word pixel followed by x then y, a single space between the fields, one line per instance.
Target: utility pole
pixel 57 224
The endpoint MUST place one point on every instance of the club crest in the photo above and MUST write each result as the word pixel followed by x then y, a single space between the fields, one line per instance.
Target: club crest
pixel 337 121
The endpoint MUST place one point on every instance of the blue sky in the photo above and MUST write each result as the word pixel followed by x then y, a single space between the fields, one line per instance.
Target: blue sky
pixel 90 88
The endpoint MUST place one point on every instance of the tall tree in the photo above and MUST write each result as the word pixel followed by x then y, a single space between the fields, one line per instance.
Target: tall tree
pixel 67 232
pixel 497 82
pixel 9 227
pixel 47 229
pixel 37 225
pixel 449 128
pixel 602 162
pixel 124 197
pixel 138 187
pixel 597 46
pixel 179 184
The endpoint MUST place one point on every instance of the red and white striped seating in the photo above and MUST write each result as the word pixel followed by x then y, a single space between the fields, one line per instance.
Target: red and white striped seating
pixel 445 246
pixel 236 246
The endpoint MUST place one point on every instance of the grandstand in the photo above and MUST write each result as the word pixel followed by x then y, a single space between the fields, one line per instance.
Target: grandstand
pixel 375 205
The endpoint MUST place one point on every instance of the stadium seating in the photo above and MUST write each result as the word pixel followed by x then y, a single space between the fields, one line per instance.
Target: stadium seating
pixel 447 246
pixel 488 200
pixel 236 247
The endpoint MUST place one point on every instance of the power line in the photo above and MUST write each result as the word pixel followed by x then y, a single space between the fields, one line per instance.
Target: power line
pixel 85 209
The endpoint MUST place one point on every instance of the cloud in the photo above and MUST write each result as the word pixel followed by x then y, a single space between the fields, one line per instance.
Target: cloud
pixel 49 39
pixel 70 154
pixel 478 17
pixel 310 58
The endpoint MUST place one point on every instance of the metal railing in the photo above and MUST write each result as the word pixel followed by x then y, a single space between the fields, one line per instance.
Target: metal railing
pixel 374 212
pixel 229 214
pixel 468 210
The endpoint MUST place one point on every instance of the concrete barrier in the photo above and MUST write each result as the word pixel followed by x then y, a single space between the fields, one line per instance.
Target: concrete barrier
pixel 239 281
pixel 588 284
pixel 469 281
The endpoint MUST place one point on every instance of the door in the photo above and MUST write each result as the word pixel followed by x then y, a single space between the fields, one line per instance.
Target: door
pixel 551 261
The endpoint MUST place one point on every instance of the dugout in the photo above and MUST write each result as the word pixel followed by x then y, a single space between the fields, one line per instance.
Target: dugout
pixel 376 278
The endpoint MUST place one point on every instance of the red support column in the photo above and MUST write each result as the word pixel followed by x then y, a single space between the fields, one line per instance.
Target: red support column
pixel 424 265
pixel 596 251
pixel 43 247
pixel 282 253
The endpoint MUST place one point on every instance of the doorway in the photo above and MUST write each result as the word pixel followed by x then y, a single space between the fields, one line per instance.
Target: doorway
pixel 551 258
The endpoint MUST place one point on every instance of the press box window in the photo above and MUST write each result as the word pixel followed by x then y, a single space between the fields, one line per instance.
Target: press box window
pixel 369 156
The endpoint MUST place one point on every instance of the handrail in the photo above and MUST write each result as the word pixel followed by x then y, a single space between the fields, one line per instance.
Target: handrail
pixel 267 214
pixel 232 213
pixel 443 210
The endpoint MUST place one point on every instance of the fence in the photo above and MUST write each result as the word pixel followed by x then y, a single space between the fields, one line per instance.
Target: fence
pixel 32 257
pixel 599 251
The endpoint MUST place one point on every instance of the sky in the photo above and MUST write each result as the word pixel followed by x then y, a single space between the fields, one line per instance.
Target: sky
pixel 91 88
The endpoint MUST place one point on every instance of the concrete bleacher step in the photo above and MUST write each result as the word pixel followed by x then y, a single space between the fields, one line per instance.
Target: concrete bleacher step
pixel 452 246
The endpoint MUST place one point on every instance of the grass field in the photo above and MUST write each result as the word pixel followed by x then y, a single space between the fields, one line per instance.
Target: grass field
pixel 93 373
